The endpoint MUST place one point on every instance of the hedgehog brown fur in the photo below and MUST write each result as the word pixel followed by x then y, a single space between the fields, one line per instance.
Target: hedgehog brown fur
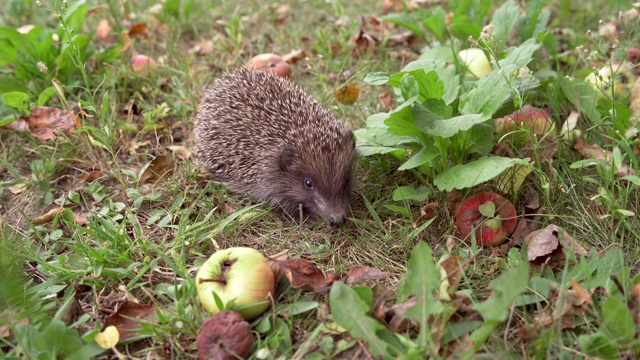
pixel 263 136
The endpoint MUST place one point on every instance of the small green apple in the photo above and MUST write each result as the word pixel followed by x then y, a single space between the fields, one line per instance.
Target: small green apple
pixel 475 62
pixel 623 74
pixel 238 274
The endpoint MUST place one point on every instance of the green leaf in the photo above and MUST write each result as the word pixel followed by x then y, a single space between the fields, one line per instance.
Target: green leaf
pixel 377 78
pixel 407 21
pixel 487 209
pixel 521 55
pixel 17 100
pixel 481 139
pixel 45 95
pixel 436 23
pixel 610 263
pixel 301 307
pixel 446 74
pixel 404 193
pixel 409 87
pixel 586 99
pixel 421 280
pixel 506 289
pixel 430 86
pixel 467 175
pixel 504 19
pixel 445 128
pixel 426 155
pixel 350 312
pixel 598 345
pixel 489 93
pixel 617 321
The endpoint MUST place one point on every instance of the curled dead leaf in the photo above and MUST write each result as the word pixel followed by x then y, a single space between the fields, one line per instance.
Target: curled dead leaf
pixel 348 94
pixel 45 123
pixel 124 318
pixel 48 217
pixel 549 242
pixel 89 177
pixel 157 168
pixel 359 274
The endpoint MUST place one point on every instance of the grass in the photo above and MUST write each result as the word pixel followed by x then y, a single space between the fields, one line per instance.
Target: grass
pixel 146 241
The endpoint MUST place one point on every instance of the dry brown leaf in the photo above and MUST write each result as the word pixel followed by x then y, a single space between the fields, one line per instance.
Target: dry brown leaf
pixel 48 217
pixel 123 318
pixel 581 292
pixel 348 94
pixel 362 40
pixel 395 316
pixel 294 56
pixel 158 167
pixel 126 42
pixel 17 188
pixel 45 123
pixel 598 153
pixel 180 151
pixel 140 30
pixel 306 275
pixel 386 100
pixel 549 242
pixel 89 177
pixel 281 13
pixel 79 219
pixel 7 317
pixel 359 274
pixel 563 307
pixel 450 279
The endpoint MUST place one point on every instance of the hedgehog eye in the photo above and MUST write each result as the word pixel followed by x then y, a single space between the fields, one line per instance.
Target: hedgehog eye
pixel 308 183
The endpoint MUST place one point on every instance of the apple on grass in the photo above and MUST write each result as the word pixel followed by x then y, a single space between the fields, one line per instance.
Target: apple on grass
pixel 238 275
pixel 489 216
pixel 475 62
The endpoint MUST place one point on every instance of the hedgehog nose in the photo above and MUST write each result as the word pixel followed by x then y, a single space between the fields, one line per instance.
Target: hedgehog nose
pixel 336 220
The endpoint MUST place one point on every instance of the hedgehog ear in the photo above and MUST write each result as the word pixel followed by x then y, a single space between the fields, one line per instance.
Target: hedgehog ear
pixel 286 159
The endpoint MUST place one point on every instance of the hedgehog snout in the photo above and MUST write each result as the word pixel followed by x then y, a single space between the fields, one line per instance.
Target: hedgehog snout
pixel 333 211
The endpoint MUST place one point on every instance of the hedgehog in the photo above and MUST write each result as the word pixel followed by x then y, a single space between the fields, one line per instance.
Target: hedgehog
pixel 265 138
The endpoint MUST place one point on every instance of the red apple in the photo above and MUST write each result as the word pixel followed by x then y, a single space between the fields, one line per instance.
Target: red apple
pixel 238 274
pixel 142 64
pixel 475 62
pixel 536 120
pixel 489 216
pixel 270 62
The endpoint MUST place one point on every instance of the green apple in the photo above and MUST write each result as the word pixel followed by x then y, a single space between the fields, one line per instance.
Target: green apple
pixel 238 274
pixel 475 62
pixel 623 74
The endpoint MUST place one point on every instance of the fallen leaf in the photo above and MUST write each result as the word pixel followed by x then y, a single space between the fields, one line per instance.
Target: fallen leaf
pixel 89 177
pixel 124 318
pixel 598 153
pixel 281 13
pixel 79 219
pixel 348 94
pixel 549 242
pixel 362 40
pixel 180 151
pixel 108 338
pixel 8 324
pixel 530 220
pixel 395 316
pixel 157 168
pixel 17 188
pixel 563 307
pixel 450 276
pixel 48 217
pixel 359 274
pixel 386 100
pixel 45 123
pixel 511 181
pixel 303 274
pixel 140 30
pixel 294 56
pixel 126 42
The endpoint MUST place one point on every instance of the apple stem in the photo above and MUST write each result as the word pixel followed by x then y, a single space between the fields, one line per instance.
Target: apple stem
pixel 222 281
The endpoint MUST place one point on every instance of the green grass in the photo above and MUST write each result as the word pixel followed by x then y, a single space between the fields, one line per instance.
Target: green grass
pixel 146 241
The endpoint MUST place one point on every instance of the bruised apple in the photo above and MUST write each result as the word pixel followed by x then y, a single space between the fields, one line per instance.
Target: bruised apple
pixel 270 62
pixel 238 274
pixel 532 118
pixel 490 216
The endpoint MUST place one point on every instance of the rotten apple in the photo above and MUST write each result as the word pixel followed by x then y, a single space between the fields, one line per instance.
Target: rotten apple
pixel 238 274
pixel 532 118
pixel 489 216
pixel 270 62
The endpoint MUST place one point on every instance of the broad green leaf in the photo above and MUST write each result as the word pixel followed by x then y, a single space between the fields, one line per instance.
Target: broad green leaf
pixel 521 55
pixel 467 175
pixel 430 86
pixel 404 193
pixel 506 289
pixel 426 155
pixel 534 21
pixel 377 78
pixel 586 99
pixel 45 95
pixel 446 74
pixel 17 100
pixel 609 263
pixel 598 345
pixel 409 87
pixel 445 127
pixel 481 139
pixel 350 312
pixel 421 280
pixel 301 307
pixel 462 28
pixel 489 93
pixel 617 320
pixel 407 21
pixel 504 19
pixel 436 23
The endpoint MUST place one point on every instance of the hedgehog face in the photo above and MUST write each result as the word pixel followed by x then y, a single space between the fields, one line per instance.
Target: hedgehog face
pixel 321 183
